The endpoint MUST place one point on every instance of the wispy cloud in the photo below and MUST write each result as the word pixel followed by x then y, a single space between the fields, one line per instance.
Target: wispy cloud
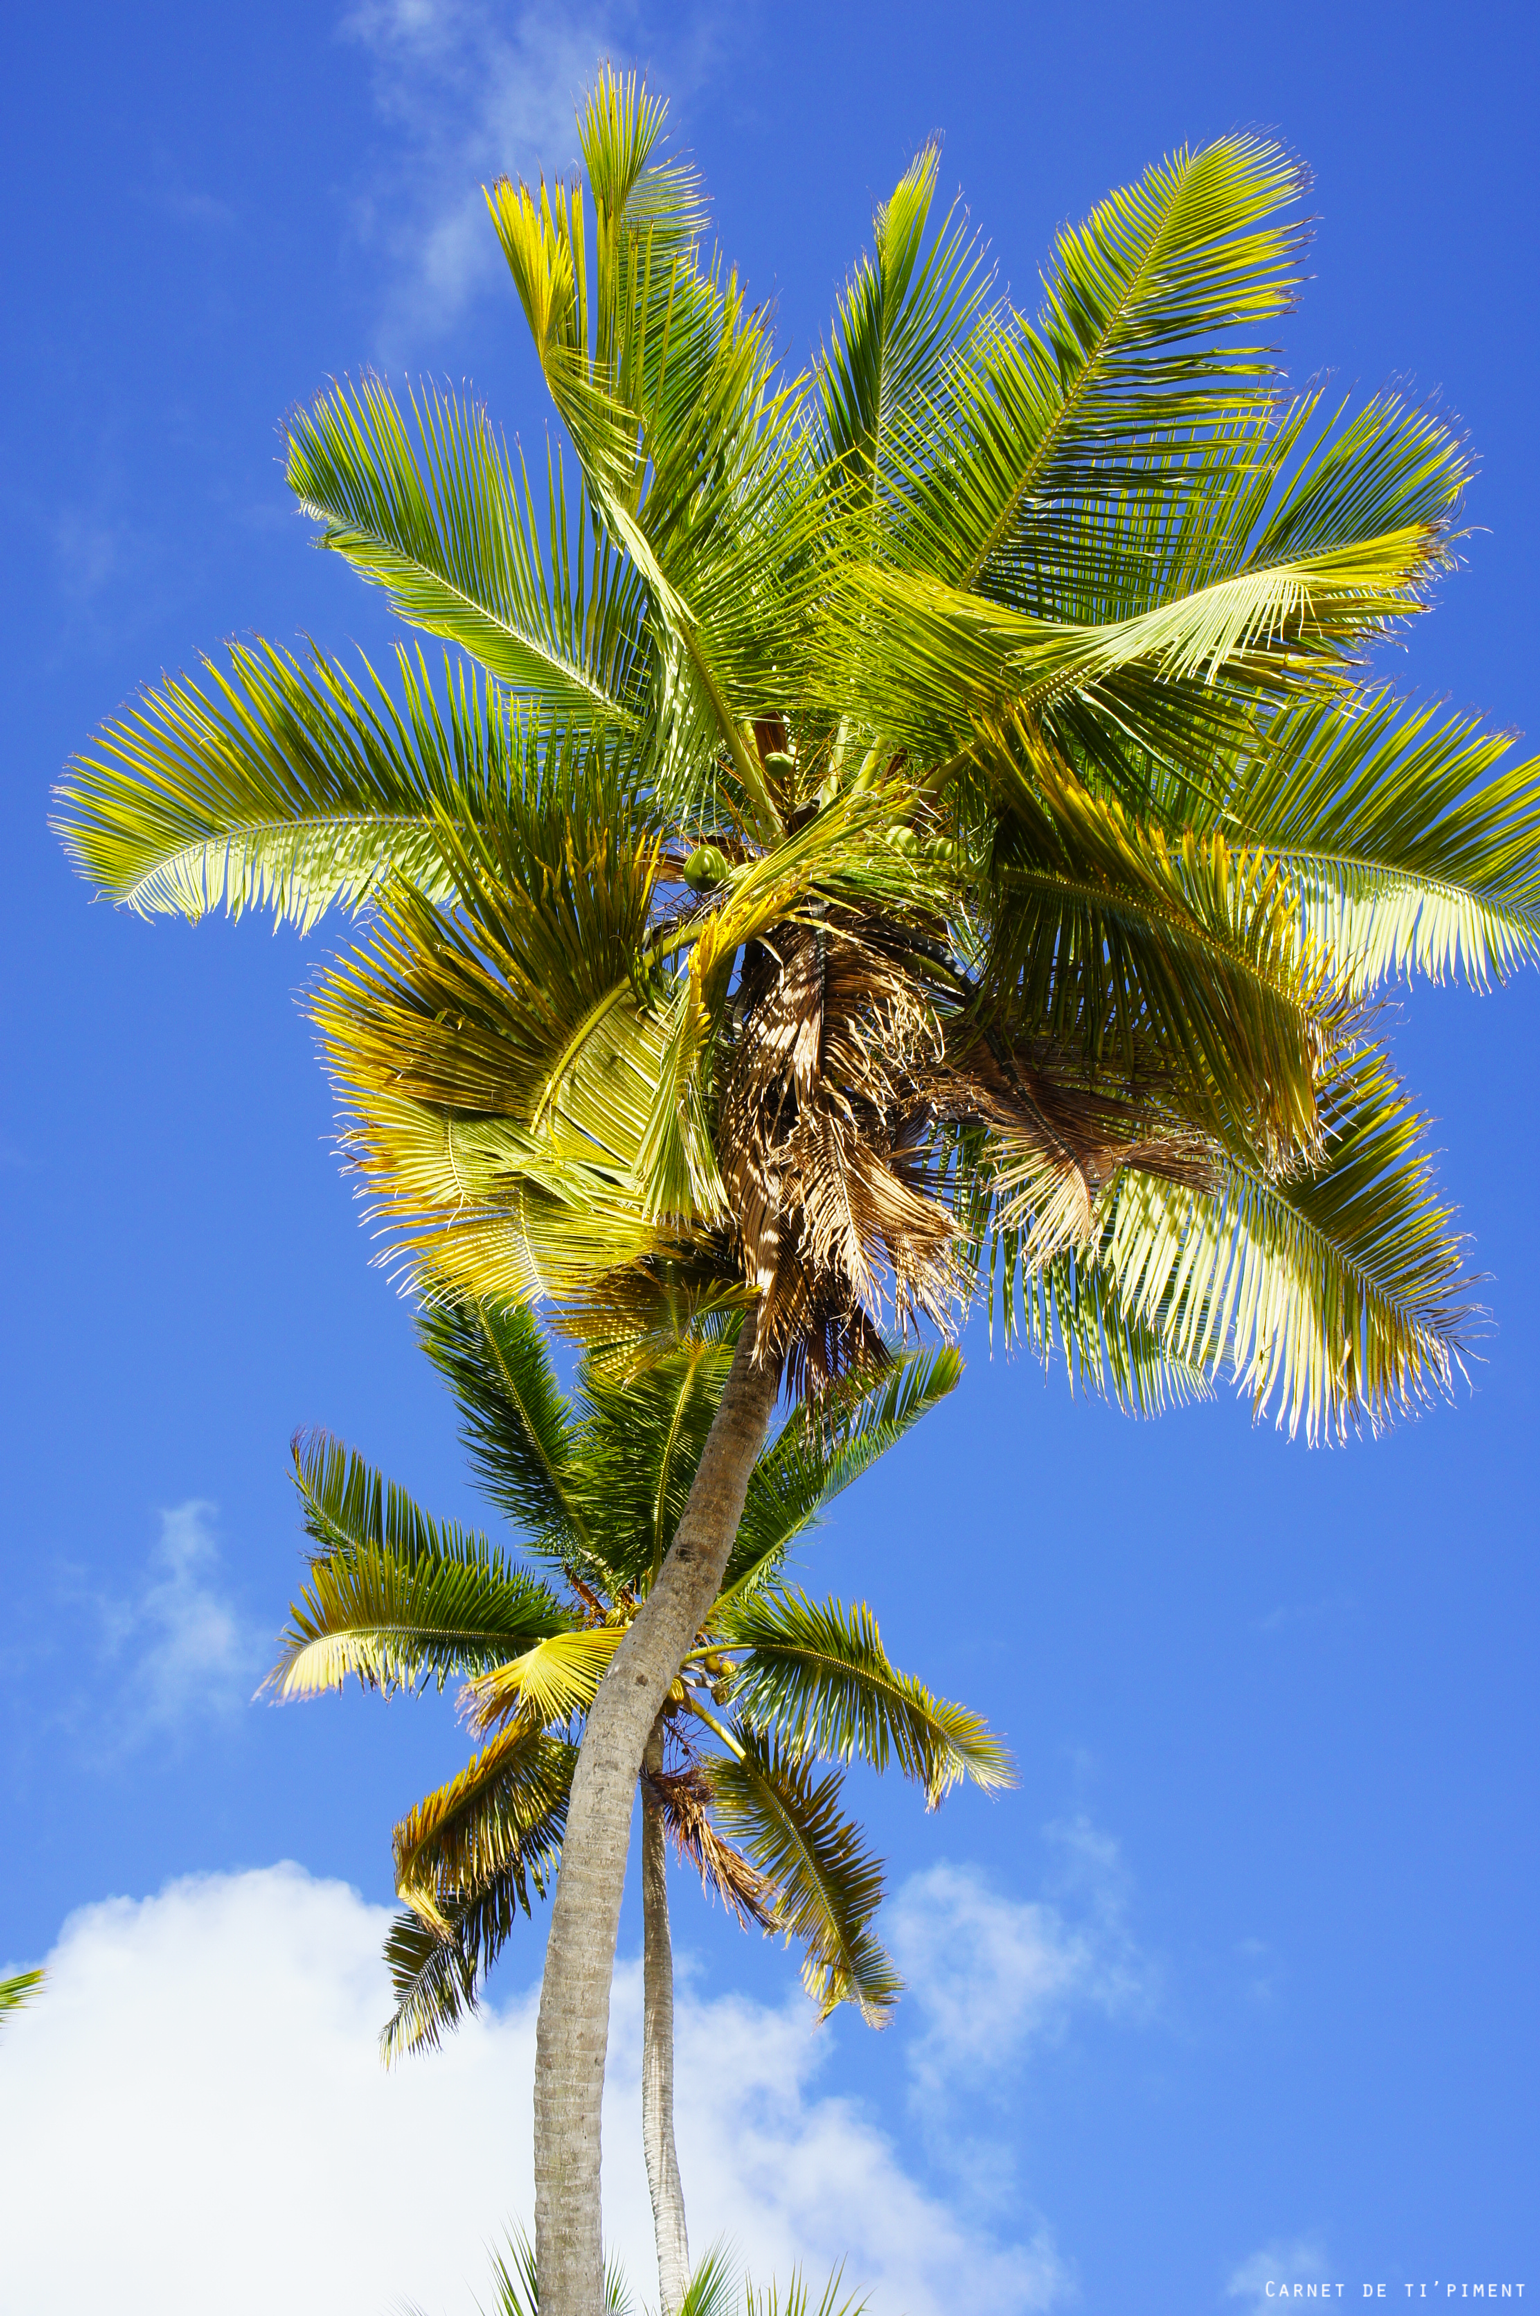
pixel 208 2060
pixel 466 91
pixel 1281 2265
pixel 183 1649
pixel 991 1975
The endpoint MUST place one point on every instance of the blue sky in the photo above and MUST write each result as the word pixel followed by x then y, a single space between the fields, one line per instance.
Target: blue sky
pixel 1239 1986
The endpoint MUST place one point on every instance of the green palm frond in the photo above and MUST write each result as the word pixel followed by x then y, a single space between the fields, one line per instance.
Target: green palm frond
pixel 789 1824
pixel 1407 856
pixel 432 510
pixel 17 1992
pixel 437 1971
pixel 502 1817
pixel 795 2298
pixel 1129 360
pixel 817 1675
pixel 899 323
pixel 642 1440
pixel 435 1980
pixel 518 2284
pixel 1333 1291
pixel 689 443
pixel 824 1446
pixel 514 1418
pixel 1068 1310
pixel 1178 962
pixel 713 2286
pixel 394 1596
pixel 285 787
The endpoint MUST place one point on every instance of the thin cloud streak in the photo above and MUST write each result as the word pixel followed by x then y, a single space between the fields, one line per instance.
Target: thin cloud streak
pixel 466 93
pixel 992 1975
pixel 184 1650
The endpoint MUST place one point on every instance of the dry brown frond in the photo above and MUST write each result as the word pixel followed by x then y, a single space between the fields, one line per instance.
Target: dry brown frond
pixel 836 1039
pixel 684 1797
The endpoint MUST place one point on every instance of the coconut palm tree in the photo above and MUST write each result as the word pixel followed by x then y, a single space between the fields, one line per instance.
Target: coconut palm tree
pixel 913 831
pixel 774 1685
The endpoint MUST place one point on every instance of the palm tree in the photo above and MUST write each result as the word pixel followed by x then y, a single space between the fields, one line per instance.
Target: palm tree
pixel 917 830
pixel 774 1684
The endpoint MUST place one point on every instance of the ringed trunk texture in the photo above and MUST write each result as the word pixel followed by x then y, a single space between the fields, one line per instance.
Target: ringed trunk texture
pixel 658 2048
pixel 573 2029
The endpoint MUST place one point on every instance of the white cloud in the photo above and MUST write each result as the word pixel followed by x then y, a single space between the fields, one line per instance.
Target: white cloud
pixel 469 91
pixel 991 1974
pixel 194 2116
pixel 186 1649
pixel 1283 2265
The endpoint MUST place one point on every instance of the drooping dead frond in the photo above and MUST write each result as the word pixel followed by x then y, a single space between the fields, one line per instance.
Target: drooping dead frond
pixel 684 1797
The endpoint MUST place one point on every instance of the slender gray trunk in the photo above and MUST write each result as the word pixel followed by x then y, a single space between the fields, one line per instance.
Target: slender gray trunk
pixel 573 2029
pixel 658 2046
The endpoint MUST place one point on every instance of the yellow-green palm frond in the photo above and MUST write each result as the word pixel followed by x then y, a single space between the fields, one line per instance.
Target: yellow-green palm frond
pixel 817 1675
pixel 18 1991
pixel 502 1817
pixel 1132 354
pixel 1067 1310
pixel 553 1682
pixel 395 1597
pixel 433 510
pixel 901 320
pixel 1406 853
pixel 1334 1292
pixel 789 1824
pixel 285 787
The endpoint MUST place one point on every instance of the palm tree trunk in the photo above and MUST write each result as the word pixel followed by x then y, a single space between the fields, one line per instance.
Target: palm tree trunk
pixel 658 2047
pixel 573 2028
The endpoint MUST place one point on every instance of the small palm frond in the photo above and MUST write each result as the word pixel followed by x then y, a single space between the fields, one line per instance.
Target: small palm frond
pixel 284 787
pixel 17 1992
pixel 795 2299
pixel 555 1681
pixel 503 1816
pixel 516 2277
pixel 513 1417
pixel 791 1828
pixel 517 2281
pixel 394 1596
pixel 817 1675
pixel 713 2286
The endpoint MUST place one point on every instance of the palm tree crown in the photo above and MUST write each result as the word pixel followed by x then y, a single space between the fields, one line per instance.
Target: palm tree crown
pixel 776 1684
pixel 915 823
